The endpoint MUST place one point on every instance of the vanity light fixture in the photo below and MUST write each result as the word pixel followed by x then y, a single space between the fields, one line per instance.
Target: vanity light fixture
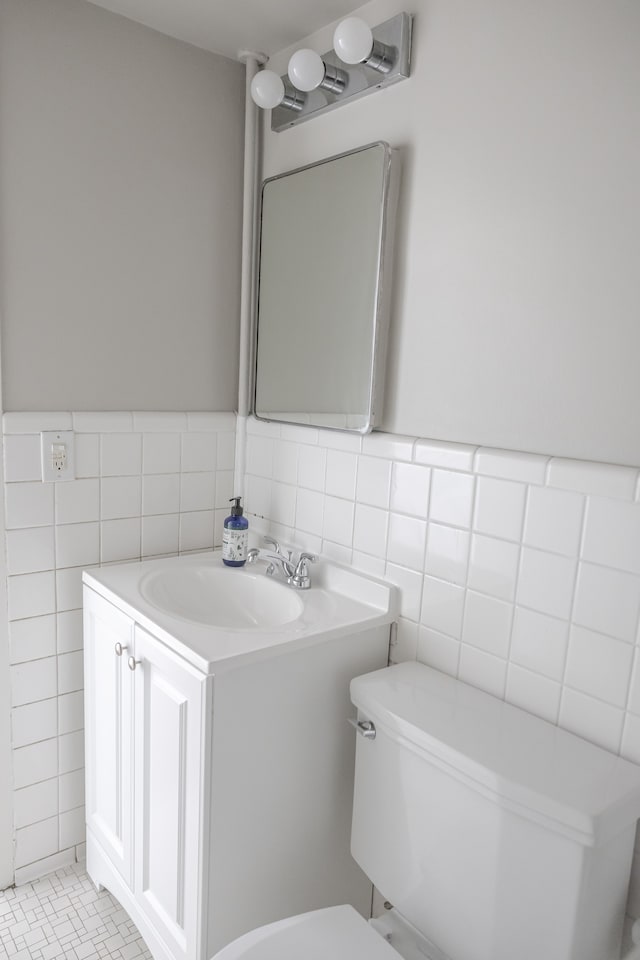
pixel 364 60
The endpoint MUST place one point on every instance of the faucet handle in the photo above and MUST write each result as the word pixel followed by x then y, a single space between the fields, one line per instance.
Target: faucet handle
pixel 305 558
pixel 276 546
pixel 301 578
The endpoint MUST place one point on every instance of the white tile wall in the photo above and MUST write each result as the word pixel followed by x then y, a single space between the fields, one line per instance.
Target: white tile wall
pixel 146 484
pixel 517 573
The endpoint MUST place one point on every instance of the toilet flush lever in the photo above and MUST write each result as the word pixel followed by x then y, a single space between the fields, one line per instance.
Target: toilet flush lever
pixel 366 728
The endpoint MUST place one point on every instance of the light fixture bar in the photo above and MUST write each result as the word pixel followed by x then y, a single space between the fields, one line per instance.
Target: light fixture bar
pixel 393 36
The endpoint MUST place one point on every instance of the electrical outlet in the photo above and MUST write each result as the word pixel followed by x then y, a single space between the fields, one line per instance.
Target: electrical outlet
pixel 57 453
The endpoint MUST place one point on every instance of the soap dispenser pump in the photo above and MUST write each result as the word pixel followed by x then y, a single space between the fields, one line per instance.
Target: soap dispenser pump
pixel 235 536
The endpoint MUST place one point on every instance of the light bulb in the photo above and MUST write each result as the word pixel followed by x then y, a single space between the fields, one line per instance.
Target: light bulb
pixel 306 70
pixel 267 89
pixel 353 40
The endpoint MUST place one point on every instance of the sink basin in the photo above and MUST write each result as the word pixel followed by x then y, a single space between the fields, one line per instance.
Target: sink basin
pixel 215 616
pixel 221 597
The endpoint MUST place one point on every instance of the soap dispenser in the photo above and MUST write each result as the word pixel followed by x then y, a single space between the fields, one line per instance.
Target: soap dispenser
pixel 235 536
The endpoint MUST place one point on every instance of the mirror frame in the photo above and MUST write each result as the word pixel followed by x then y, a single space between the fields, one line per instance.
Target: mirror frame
pixel 382 300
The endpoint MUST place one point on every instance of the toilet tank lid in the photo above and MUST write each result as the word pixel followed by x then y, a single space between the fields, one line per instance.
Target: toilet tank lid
pixel 520 760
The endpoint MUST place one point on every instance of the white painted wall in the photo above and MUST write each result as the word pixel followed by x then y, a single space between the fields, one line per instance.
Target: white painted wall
pixel 516 308
pixel 120 189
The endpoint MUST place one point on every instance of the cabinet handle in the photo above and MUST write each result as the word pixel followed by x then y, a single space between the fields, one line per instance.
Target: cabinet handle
pixel 133 663
pixel 119 648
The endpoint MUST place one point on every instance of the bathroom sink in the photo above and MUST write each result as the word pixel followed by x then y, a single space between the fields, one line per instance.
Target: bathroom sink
pixel 214 616
pixel 221 597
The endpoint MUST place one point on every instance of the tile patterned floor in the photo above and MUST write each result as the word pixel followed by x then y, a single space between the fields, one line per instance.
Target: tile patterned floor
pixel 63 916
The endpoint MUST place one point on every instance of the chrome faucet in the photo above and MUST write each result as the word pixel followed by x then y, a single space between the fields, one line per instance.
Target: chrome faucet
pixel 295 572
pixel 275 558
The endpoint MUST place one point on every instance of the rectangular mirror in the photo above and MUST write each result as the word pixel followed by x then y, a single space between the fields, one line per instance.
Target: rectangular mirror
pixel 324 290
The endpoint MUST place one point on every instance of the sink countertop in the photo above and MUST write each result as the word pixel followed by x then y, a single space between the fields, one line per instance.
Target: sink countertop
pixel 340 601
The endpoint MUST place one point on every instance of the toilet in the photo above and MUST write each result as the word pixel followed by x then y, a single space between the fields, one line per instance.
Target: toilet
pixel 494 834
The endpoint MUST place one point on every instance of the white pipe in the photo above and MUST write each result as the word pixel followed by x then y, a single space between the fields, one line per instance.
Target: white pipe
pixel 249 200
pixel 634 952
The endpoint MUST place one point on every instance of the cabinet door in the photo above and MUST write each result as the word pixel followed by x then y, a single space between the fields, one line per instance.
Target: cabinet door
pixel 108 695
pixel 169 738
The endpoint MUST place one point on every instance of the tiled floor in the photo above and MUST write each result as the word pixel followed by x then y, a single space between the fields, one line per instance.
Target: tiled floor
pixel 63 916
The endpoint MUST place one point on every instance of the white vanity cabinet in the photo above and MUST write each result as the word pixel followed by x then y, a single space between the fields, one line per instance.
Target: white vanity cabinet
pixel 144 730
pixel 219 768
pixel 109 730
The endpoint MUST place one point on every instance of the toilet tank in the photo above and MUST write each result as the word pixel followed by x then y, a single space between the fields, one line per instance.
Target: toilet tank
pixel 494 833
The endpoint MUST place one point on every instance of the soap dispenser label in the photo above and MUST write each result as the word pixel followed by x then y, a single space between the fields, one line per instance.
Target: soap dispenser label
pixel 234 544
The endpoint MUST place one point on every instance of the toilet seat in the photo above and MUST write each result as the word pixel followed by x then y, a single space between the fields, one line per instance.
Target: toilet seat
pixel 335 933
